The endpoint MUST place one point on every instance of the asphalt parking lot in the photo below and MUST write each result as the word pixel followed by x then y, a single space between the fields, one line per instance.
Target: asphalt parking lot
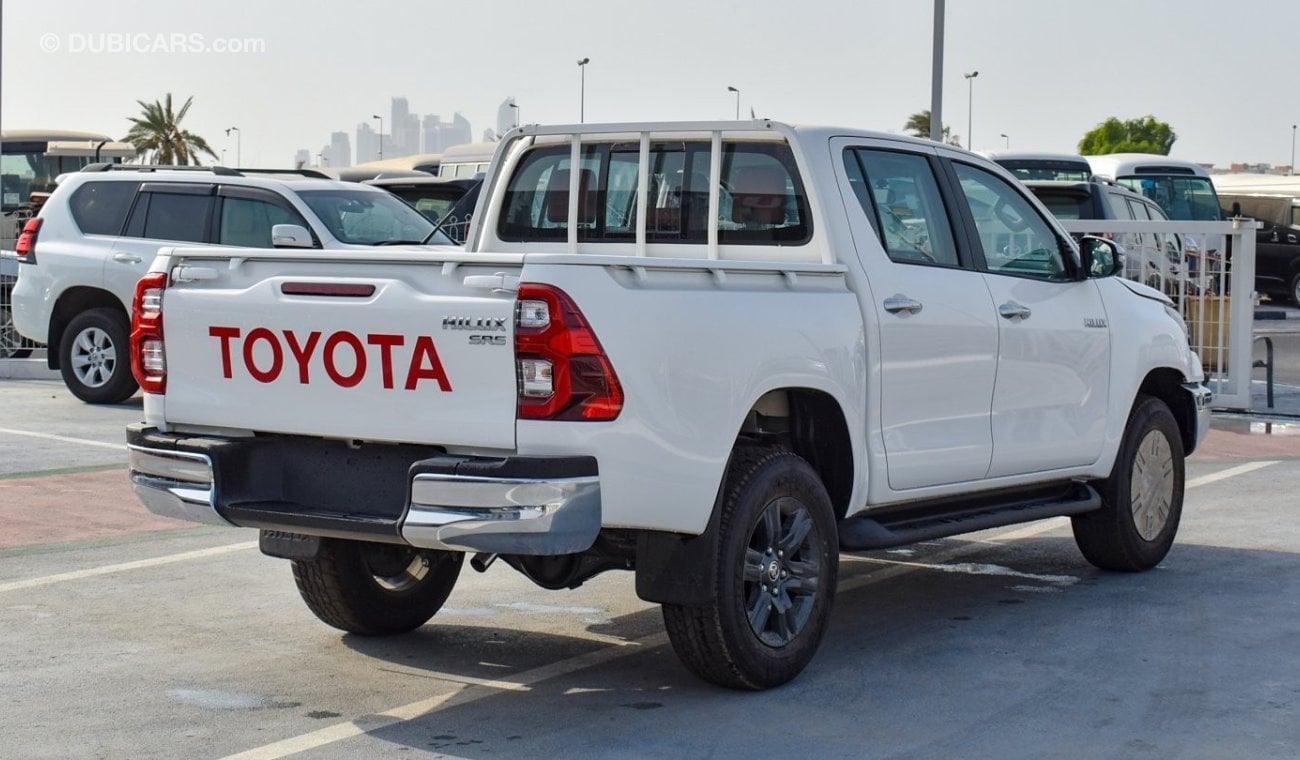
pixel 126 635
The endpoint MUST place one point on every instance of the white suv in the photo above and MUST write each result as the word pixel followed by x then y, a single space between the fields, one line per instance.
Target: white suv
pixel 101 228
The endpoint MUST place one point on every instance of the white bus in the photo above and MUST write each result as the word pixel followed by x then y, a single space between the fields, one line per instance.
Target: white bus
pixel 1182 188
pixel 32 159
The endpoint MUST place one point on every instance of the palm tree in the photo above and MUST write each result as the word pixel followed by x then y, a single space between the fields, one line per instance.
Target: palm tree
pixel 158 129
pixel 918 125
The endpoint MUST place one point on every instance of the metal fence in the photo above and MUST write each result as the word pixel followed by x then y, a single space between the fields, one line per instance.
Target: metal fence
pixel 12 345
pixel 1208 270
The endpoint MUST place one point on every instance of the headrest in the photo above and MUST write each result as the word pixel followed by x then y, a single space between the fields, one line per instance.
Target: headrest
pixel 557 195
pixel 758 195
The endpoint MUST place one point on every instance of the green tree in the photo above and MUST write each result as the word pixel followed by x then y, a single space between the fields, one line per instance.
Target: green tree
pixel 1145 135
pixel 918 125
pixel 157 132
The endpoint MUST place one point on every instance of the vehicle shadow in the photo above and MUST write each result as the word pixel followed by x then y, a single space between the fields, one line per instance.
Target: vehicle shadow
pixel 937 658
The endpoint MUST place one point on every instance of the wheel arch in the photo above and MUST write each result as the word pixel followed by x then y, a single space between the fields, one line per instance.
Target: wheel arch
pixel 675 568
pixel 72 302
pixel 1166 384
pixel 811 423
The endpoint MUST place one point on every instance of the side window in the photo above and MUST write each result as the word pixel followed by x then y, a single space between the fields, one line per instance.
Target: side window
pixel 99 208
pixel 902 195
pixel 247 222
pixel 1015 239
pixel 760 197
pixel 1118 206
pixel 171 216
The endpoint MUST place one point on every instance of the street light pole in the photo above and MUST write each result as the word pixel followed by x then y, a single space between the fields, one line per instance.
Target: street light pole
pixel 936 75
pixel 1293 149
pixel 239 149
pixel 733 89
pixel 582 93
pixel 381 135
pixel 970 107
pixel 1008 141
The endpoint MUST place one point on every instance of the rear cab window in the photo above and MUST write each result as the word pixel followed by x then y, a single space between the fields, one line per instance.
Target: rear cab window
pixel 761 198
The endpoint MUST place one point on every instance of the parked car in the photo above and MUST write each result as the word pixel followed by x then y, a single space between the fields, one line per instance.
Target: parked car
pixel 1155 259
pixel 12 345
pixel 80 258
pixel 437 198
pixel 1277 244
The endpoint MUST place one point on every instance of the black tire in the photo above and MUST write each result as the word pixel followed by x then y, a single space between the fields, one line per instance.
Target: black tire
pixel 1142 500
pixel 1295 290
pixel 95 357
pixel 12 345
pixel 376 589
pixel 777 531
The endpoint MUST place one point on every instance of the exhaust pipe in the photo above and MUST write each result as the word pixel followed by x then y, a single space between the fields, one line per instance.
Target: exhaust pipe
pixel 482 561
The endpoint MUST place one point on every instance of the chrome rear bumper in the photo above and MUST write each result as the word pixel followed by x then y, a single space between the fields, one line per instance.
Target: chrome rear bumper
pixel 503 515
pixel 386 493
pixel 174 484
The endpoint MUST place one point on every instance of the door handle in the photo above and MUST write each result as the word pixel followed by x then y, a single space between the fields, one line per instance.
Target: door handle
pixel 1013 311
pixel 901 303
pixel 497 283
pixel 127 258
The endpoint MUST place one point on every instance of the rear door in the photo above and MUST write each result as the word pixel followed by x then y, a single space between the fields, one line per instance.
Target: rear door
pixel 938 332
pixel 164 213
pixel 1052 392
pixel 392 346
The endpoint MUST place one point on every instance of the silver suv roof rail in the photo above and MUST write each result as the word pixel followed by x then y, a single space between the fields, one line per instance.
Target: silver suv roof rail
pixel 223 171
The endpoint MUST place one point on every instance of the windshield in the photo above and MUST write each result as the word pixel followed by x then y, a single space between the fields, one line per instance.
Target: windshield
pixel 1068 171
pixel 367 217
pixel 1065 204
pixel 431 201
pixel 27 172
pixel 1183 197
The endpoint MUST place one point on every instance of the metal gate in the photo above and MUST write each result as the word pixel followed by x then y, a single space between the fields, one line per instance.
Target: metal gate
pixel 1208 270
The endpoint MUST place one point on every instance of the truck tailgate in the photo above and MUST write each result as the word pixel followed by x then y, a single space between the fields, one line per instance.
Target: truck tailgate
pixel 385 349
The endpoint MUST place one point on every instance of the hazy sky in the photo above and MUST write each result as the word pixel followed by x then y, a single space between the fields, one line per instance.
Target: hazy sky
pixel 1223 74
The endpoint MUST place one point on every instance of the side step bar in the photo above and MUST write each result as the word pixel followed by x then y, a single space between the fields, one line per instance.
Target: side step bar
pixel 911 523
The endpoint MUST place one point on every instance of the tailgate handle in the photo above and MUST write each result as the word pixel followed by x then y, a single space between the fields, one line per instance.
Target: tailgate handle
pixel 497 283
pixel 194 274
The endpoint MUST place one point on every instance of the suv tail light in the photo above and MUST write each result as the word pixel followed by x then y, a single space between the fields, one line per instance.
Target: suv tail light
pixel 26 245
pixel 563 372
pixel 148 357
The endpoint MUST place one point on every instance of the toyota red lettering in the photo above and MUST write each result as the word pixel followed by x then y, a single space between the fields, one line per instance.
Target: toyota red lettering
pixel 343 356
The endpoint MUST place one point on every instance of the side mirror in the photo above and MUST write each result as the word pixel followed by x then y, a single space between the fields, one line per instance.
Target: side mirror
pixel 291 236
pixel 1100 257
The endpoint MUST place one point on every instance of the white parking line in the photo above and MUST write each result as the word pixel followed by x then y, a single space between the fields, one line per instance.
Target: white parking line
pixel 65 439
pixel 1231 472
pixel 50 580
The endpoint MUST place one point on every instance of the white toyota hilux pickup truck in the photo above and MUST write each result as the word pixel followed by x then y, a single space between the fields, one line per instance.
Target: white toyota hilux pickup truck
pixel 717 354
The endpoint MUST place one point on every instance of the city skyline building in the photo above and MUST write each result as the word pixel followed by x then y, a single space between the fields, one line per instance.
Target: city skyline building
pixel 407 133
pixel 367 143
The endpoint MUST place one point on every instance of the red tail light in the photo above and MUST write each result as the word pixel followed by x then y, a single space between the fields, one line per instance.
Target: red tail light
pixel 26 245
pixel 563 372
pixel 148 357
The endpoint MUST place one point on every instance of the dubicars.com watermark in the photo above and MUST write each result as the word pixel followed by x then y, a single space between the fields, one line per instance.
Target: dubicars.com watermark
pixel 148 43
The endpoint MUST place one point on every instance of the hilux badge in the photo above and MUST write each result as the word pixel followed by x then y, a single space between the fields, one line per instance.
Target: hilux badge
pixel 1094 322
